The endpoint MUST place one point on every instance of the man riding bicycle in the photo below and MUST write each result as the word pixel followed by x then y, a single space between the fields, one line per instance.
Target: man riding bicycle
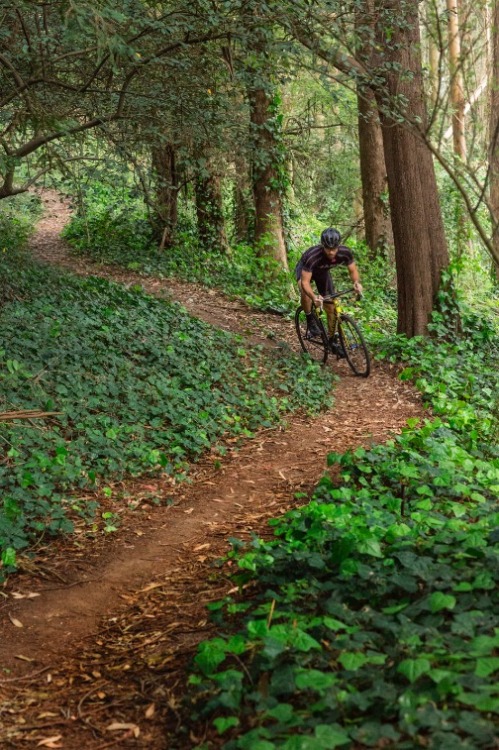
pixel 315 265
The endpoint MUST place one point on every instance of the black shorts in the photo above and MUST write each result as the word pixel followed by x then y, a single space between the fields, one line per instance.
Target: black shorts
pixel 321 278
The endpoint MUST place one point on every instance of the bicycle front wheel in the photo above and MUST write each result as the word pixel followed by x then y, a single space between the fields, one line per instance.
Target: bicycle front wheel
pixel 354 346
pixel 315 345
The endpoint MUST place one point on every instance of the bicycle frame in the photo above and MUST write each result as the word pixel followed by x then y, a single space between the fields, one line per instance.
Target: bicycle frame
pixel 345 340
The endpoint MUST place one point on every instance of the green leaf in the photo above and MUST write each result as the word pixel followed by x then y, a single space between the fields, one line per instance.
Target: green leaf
pixel 486 666
pixel 353 660
pixel 413 669
pixel 9 557
pixel 331 736
pixel 223 723
pixel 313 679
pixel 370 547
pixel 210 655
pixel 438 601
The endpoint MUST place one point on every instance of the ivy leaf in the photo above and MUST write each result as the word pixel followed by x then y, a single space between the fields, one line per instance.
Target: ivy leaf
pixel 331 736
pixel 370 547
pixel 353 660
pixel 438 601
pixel 413 669
pixel 222 723
pixel 486 666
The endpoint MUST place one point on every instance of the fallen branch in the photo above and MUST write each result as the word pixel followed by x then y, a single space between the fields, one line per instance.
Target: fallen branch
pixel 27 414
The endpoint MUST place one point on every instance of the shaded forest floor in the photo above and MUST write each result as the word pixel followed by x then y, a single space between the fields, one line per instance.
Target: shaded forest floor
pixel 97 630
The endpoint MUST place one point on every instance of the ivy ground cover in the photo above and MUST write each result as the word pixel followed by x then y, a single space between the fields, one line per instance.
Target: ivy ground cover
pixel 372 619
pixel 135 386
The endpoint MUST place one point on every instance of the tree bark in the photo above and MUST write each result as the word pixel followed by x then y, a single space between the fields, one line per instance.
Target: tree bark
pixel 420 244
pixel 494 135
pixel 377 221
pixel 243 201
pixel 456 81
pixel 209 209
pixel 165 170
pixel 269 233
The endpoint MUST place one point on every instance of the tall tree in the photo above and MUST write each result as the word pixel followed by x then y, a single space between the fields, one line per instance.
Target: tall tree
pixel 208 195
pixel 164 167
pixel 377 220
pixel 456 80
pixel 265 132
pixel 494 135
pixel 420 244
pixel 269 232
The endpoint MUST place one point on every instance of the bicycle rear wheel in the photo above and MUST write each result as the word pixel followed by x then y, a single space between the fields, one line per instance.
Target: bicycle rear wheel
pixel 354 346
pixel 317 346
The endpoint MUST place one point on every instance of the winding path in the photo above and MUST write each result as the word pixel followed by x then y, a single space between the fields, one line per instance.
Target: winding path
pixel 96 632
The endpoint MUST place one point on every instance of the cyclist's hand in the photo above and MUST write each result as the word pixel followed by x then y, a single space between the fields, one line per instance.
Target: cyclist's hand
pixel 358 288
pixel 318 301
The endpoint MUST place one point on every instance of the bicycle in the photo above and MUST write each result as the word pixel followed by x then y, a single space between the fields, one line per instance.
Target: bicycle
pixel 346 342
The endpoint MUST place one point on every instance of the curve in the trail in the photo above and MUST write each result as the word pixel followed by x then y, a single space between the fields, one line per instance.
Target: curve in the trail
pixel 255 482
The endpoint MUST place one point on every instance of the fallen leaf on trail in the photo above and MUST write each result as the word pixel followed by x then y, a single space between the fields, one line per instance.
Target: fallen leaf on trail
pixel 23 658
pixel 199 547
pixel 50 741
pixel 47 715
pixel 15 622
pixel 150 587
pixel 189 511
pixel 150 711
pixel 29 595
pixel 117 727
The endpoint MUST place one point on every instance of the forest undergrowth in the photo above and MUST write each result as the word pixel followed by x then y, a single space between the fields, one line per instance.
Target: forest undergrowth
pixel 100 382
pixel 372 618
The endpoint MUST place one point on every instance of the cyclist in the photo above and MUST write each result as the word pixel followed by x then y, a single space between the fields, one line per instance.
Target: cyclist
pixel 315 265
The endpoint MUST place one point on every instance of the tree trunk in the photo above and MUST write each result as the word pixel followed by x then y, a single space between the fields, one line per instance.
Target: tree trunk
pixel 377 221
pixel 494 135
pixel 243 201
pixel 209 210
pixel 456 81
pixel 269 234
pixel 165 170
pixel 420 245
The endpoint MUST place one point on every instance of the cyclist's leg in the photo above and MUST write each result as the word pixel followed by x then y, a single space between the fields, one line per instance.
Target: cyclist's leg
pixel 330 307
pixel 313 329
pixel 305 300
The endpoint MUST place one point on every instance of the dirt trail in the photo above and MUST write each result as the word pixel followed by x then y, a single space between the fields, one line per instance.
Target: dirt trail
pixel 137 598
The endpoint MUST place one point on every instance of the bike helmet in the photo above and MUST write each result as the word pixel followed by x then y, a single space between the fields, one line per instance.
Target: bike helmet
pixel 330 238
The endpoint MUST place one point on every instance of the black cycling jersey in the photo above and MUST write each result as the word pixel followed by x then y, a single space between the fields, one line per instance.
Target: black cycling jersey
pixel 318 264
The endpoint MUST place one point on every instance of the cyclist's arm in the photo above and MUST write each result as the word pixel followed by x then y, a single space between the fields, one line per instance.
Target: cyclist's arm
pixel 355 276
pixel 306 277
